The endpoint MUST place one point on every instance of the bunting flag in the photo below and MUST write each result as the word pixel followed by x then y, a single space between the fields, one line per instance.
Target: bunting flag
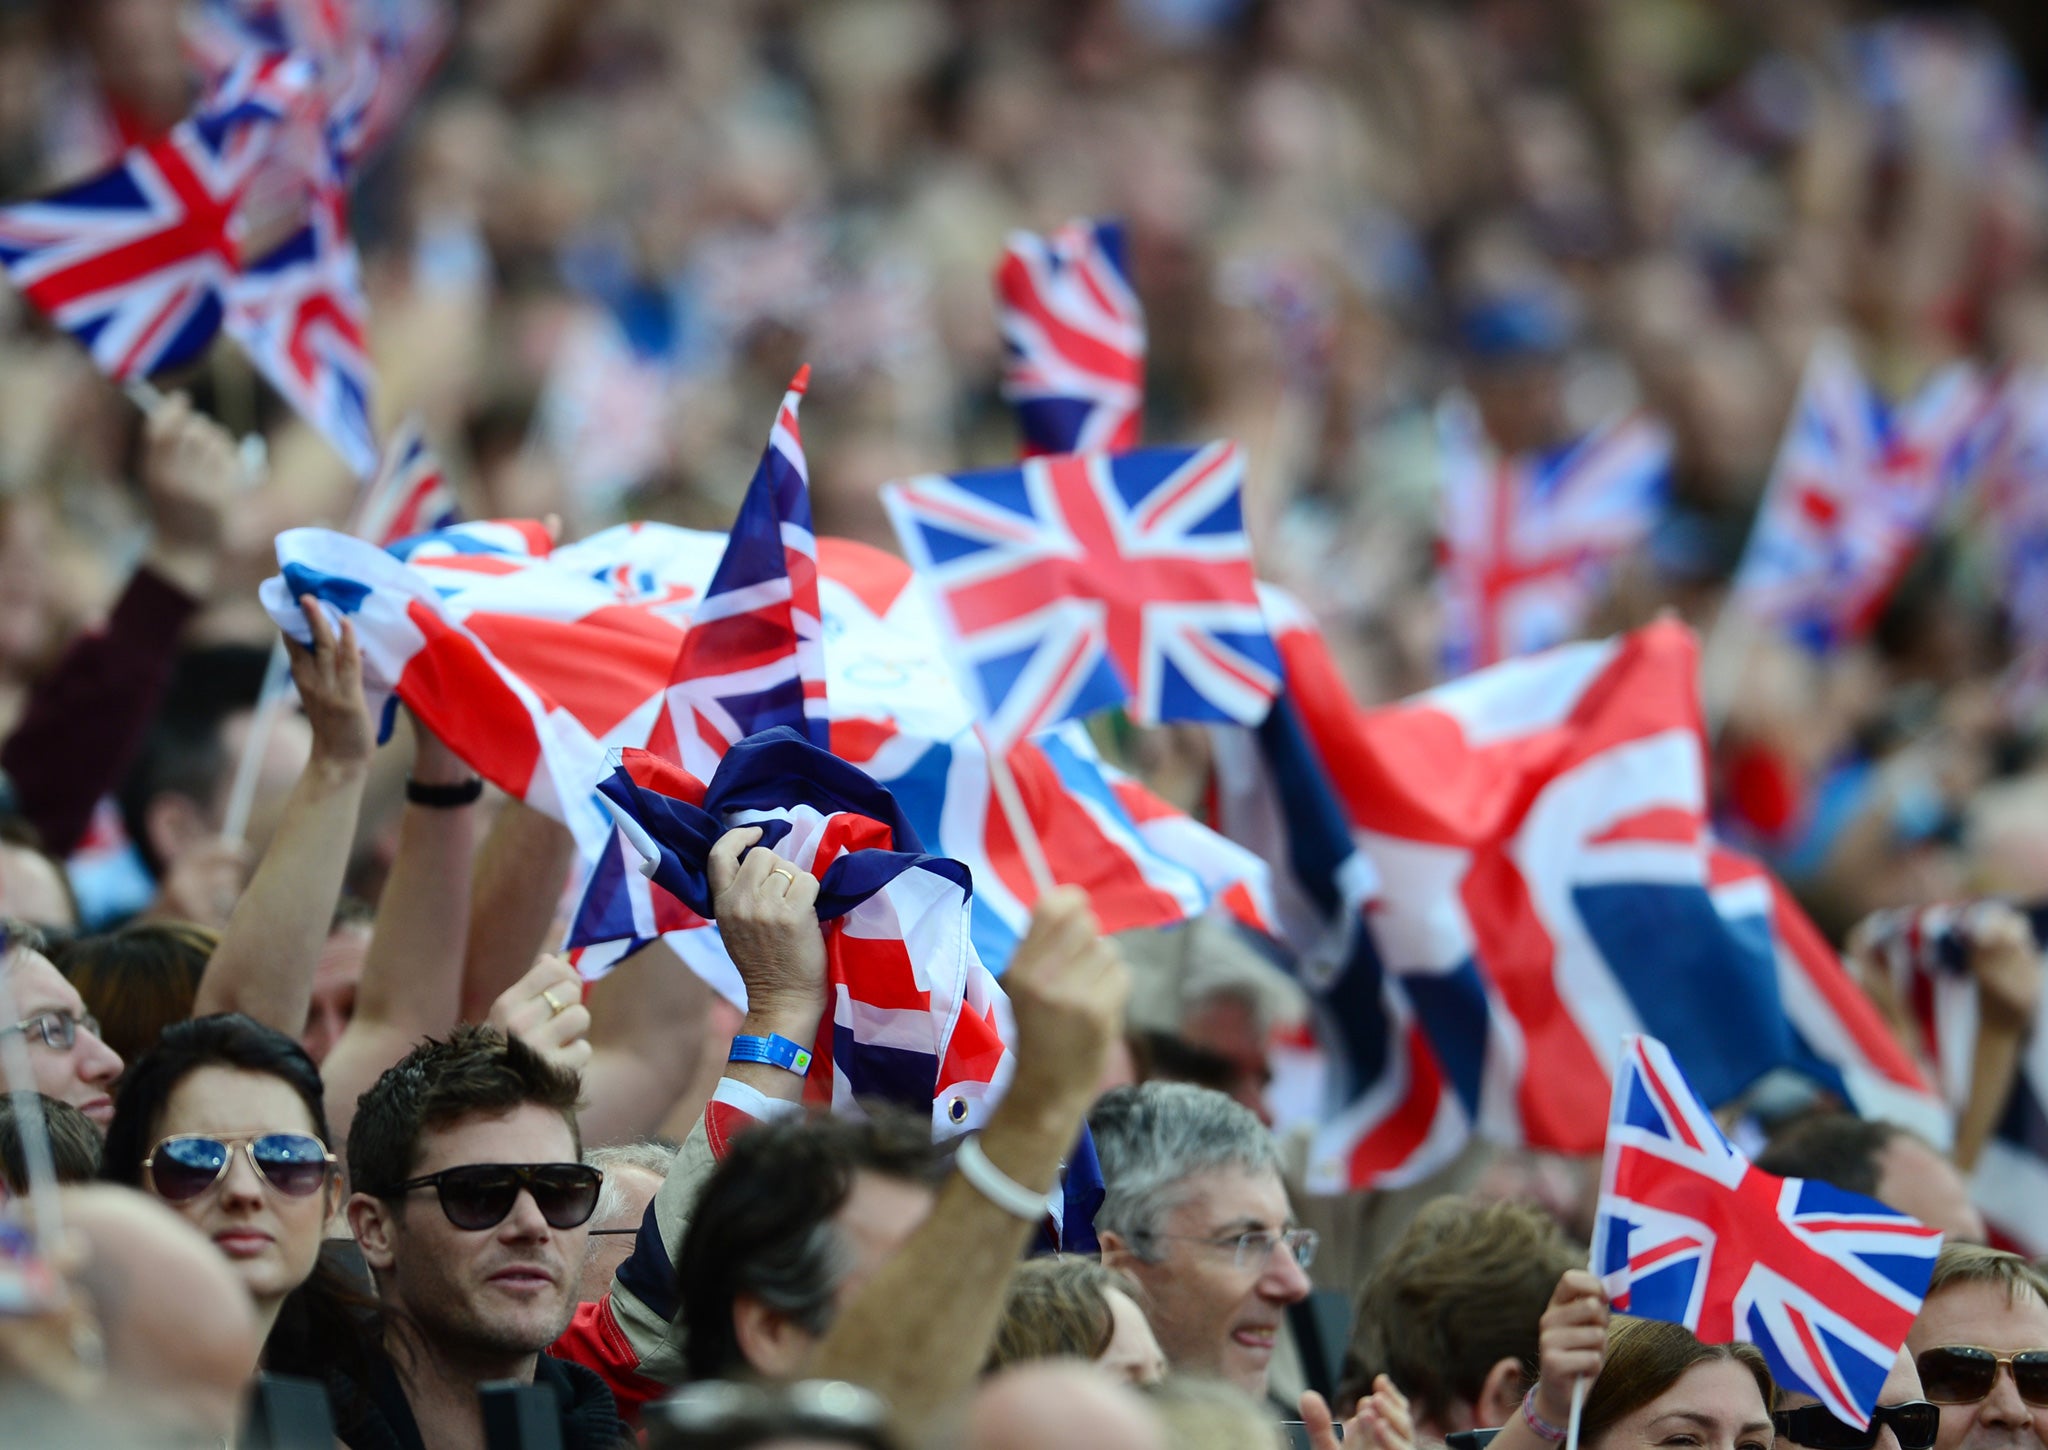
pixel 410 494
pixel 1825 1282
pixel 1527 544
pixel 1075 337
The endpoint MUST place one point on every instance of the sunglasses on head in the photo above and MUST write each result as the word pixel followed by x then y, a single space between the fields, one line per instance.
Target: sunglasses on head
pixel 182 1168
pixel 1962 1374
pixel 479 1195
pixel 1914 1422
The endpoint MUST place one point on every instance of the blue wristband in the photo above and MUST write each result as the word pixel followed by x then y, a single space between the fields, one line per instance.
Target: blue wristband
pixel 774 1049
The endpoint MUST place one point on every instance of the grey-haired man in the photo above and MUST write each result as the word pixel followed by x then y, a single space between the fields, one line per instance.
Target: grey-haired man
pixel 1197 1212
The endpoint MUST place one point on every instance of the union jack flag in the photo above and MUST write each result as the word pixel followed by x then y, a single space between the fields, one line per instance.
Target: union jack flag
pixel 136 261
pixel 1079 582
pixel 1825 1282
pixel 1527 542
pixel 300 314
pixel 1075 334
pixel 1855 487
pixel 753 657
pixel 410 494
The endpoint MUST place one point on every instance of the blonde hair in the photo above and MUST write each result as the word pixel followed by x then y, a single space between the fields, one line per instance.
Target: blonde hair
pixel 1976 1264
pixel 1055 1308
pixel 1208 1414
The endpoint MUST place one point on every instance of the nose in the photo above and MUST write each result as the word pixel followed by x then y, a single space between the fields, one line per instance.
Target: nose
pixel 524 1223
pixel 2003 1406
pixel 241 1183
pixel 1283 1281
pixel 98 1063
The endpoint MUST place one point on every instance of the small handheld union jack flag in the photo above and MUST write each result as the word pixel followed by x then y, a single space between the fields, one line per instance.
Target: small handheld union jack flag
pixel 754 657
pixel 410 494
pixel 1825 1282
pixel 135 262
pixel 1076 339
pixel 1076 583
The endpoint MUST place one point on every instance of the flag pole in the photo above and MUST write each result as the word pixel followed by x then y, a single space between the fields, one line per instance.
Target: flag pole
pixel 1012 801
pixel 1571 1429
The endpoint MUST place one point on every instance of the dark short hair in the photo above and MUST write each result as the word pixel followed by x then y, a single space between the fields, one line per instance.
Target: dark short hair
pixel 763 1227
pixel 226 1039
pixel 1461 1290
pixel 476 1072
pixel 138 980
pixel 1646 1357
pixel 183 753
pixel 74 1144
pixel 1839 1149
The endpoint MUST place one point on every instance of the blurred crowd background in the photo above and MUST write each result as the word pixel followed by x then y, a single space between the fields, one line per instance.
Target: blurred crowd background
pixel 612 228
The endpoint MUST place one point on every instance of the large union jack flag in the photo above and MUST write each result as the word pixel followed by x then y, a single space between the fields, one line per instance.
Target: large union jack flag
pixel 1527 542
pixel 135 262
pixel 1825 1282
pixel 753 658
pixel 410 494
pixel 1075 334
pixel 1075 583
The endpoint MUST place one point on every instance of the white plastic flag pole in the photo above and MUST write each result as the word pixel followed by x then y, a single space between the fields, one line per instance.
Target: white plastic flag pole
pixel 277 692
pixel 1012 802
pixel 1571 1426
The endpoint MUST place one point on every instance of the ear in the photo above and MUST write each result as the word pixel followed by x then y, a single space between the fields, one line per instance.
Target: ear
pixel 1116 1250
pixel 772 1344
pixel 374 1225
pixel 173 821
pixel 1500 1394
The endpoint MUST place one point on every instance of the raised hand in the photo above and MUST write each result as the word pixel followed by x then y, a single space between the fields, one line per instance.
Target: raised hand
pixel 191 470
pixel 330 680
pixel 1067 985
pixel 544 1009
pixel 1382 1420
pixel 1571 1343
pixel 767 916
pixel 2006 962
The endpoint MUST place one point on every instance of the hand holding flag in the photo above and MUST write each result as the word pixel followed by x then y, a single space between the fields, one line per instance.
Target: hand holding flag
pixel 1825 1282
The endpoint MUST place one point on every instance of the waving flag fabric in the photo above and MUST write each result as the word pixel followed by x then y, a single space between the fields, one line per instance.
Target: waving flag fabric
pixel 1923 951
pixel 1549 886
pixel 1825 1282
pixel 2016 512
pixel 1855 488
pixel 753 658
pixel 914 1016
pixel 1075 335
pixel 410 494
pixel 1528 542
pixel 300 315
pixel 135 262
pixel 1071 584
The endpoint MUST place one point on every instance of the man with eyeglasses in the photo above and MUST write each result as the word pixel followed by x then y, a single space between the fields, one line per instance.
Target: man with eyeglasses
pixel 1197 1213
pixel 1903 1421
pixel 1981 1348
pixel 470 1208
pixel 65 1052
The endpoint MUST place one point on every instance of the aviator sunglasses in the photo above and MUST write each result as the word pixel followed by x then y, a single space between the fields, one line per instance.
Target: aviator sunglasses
pixel 1914 1422
pixel 182 1168
pixel 1962 1374
pixel 478 1195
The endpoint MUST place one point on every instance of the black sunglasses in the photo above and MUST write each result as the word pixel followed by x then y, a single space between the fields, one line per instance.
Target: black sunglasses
pixel 1962 1374
pixel 478 1195
pixel 181 1168
pixel 1915 1423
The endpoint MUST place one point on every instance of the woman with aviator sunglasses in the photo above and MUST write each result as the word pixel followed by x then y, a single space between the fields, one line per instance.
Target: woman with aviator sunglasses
pixel 225 1121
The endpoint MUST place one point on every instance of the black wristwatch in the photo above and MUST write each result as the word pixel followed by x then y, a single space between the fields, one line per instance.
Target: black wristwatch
pixel 444 797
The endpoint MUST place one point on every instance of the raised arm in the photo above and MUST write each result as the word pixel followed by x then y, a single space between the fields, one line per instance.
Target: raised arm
pixel 647 1038
pixel 921 1351
pixel 267 955
pixel 1571 1345
pixel 412 974
pixel 2006 962
pixel 520 873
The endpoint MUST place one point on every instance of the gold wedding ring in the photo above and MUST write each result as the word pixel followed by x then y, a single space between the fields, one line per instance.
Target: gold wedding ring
pixel 556 1009
pixel 783 871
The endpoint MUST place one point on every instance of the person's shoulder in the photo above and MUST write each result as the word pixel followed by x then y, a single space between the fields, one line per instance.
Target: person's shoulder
pixel 590 1415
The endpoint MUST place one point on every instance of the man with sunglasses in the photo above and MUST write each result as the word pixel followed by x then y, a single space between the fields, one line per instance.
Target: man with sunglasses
pixel 1903 1421
pixel 1981 1348
pixel 470 1209
pixel 65 1052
